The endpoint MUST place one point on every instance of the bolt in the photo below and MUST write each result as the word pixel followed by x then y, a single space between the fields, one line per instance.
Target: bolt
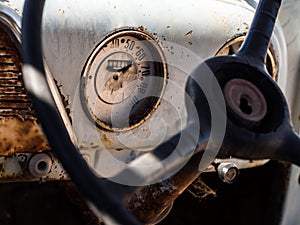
pixel 228 172
pixel 40 165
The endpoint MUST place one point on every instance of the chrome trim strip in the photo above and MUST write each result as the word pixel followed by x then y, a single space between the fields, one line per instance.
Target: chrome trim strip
pixel 11 20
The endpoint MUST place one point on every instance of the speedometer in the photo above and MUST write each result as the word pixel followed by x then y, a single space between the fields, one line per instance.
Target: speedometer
pixel 123 80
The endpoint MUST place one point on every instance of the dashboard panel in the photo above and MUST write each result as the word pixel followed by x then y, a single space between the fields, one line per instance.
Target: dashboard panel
pixel 119 71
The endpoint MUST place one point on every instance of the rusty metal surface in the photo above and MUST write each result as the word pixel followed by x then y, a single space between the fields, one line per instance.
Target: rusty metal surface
pixel 17 136
pixel 19 130
pixel 150 202
pixel 14 99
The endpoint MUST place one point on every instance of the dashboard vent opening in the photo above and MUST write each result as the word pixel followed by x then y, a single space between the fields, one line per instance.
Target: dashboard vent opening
pixel 14 99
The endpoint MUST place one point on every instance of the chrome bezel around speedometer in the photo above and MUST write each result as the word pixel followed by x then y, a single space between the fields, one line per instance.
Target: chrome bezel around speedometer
pixel 124 79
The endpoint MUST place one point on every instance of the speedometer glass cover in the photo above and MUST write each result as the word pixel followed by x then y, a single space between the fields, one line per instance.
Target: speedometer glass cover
pixel 123 80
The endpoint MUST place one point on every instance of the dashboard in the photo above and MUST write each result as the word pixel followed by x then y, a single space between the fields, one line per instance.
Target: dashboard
pixel 118 71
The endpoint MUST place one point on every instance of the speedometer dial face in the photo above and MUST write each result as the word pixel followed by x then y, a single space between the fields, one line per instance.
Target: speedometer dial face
pixel 123 80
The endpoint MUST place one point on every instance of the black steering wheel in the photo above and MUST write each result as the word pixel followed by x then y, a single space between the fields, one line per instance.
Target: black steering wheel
pixel 258 122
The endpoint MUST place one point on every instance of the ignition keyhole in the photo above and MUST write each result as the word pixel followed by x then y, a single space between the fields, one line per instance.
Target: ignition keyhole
pixel 245 100
pixel 245 106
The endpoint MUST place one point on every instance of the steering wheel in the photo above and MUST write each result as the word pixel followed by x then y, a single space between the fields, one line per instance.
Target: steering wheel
pixel 258 122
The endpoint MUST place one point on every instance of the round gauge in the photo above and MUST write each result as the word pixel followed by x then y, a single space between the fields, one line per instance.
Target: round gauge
pixel 123 80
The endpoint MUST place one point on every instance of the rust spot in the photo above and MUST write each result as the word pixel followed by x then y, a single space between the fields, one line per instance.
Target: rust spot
pixel 64 99
pixel 18 136
pixel 189 33
pixel 142 28
pixel 23 130
pixel 105 139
